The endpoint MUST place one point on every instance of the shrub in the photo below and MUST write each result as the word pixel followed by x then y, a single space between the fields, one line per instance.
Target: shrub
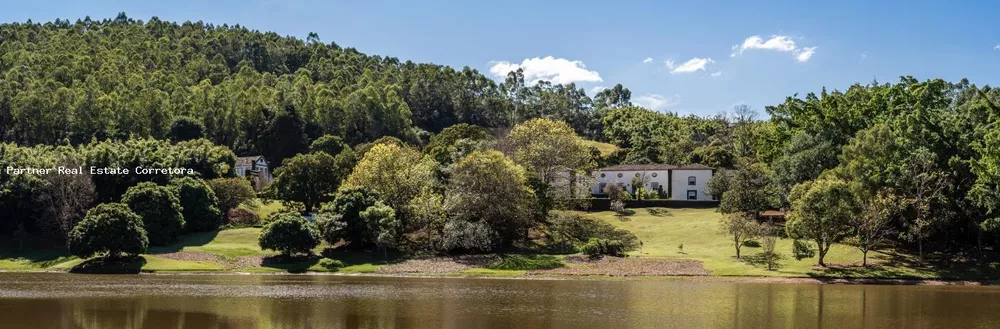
pixel 596 248
pixel 619 208
pixel 527 262
pixel 289 234
pixel 567 232
pixel 199 204
pixel 476 236
pixel 232 192
pixel 160 210
pixel 239 217
pixel 802 249
pixel 108 229
pixel 331 227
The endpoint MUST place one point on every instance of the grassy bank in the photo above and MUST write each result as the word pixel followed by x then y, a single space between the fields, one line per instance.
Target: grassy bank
pixel 662 232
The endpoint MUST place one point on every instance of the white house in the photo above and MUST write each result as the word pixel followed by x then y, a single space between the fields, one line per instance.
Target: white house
pixel 687 182
pixel 253 166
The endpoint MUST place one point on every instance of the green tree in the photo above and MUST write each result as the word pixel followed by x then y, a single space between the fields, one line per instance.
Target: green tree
pixel 109 229
pixel 160 210
pixel 750 191
pixel 290 235
pixel 342 218
pixel 490 192
pixel 330 144
pixel 306 178
pixel 821 211
pixel 186 128
pixel 397 173
pixel 232 192
pixel 198 203
pixel 741 227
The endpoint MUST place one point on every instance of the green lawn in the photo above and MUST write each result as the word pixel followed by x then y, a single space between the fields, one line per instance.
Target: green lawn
pixel 230 243
pixel 265 207
pixel 698 231
pixel 605 148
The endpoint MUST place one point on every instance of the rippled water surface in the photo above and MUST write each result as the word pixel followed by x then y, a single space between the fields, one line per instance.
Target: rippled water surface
pixel 322 301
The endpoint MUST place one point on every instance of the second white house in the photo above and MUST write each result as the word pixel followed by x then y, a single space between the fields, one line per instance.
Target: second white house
pixel 687 182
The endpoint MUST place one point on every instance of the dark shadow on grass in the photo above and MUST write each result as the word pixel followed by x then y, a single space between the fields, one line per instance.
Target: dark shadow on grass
pixel 939 265
pixel 187 240
pixel 36 250
pixel 109 265
pixel 291 264
pixel 525 262
pixel 351 257
pixel 659 212
pixel 760 260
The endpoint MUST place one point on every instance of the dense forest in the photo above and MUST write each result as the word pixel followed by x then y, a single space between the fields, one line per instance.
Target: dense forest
pixel 930 146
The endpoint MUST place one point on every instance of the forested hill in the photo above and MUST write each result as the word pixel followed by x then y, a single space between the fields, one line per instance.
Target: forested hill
pixel 71 82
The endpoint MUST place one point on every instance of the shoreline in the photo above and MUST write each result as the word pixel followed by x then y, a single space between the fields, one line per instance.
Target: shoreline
pixel 690 278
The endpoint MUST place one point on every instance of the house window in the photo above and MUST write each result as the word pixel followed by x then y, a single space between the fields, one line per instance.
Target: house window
pixel 691 180
pixel 654 175
pixel 692 195
pixel 619 175
pixel 602 175
pixel 654 185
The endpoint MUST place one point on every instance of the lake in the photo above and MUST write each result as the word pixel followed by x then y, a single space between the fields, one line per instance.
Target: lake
pixel 55 300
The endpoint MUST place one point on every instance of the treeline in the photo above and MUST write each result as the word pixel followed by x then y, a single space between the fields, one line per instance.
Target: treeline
pixel 51 204
pixel 69 83
pixel 909 164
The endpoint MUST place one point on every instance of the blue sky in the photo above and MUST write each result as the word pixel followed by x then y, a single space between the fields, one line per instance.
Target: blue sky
pixel 800 46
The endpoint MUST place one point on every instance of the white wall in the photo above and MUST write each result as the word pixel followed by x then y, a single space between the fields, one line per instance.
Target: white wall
pixel 611 177
pixel 680 185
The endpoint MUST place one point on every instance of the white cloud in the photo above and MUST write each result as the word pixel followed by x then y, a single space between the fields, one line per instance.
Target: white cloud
pixel 692 65
pixel 647 60
pixel 778 43
pixel 997 47
pixel 597 89
pixel 555 70
pixel 716 74
pixel 805 53
pixel 656 101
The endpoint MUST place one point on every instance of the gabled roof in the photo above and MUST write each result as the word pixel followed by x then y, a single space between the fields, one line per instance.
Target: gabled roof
pixel 694 166
pixel 247 160
pixel 638 167
pixel 654 167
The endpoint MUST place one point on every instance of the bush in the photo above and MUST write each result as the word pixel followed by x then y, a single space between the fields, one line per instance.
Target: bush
pixel 567 232
pixel 802 249
pixel 160 210
pixel 239 217
pixel 460 235
pixel 289 234
pixel 109 229
pixel 527 262
pixel 199 204
pixel 596 248
pixel 232 192
pixel 331 227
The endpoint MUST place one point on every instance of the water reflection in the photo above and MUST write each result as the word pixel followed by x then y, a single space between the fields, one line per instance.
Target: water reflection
pixel 316 301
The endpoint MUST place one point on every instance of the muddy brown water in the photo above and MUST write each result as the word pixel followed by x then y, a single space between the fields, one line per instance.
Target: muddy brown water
pixel 55 300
